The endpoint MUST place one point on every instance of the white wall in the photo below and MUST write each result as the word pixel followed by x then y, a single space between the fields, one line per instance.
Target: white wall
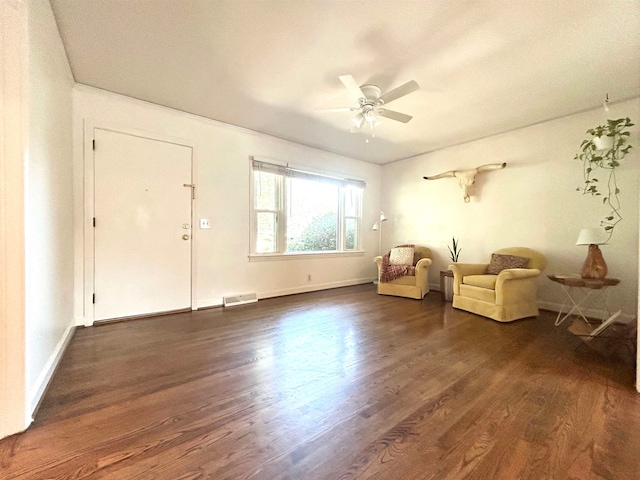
pixel 13 125
pixel 532 202
pixel 49 200
pixel 37 208
pixel 222 174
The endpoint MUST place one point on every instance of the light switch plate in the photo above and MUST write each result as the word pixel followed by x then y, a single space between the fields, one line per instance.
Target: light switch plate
pixel 205 223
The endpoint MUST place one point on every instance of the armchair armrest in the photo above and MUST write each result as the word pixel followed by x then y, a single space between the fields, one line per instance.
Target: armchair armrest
pixel 378 261
pixel 462 270
pixel 516 273
pixel 422 274
pixel 423 263
pixel 516 285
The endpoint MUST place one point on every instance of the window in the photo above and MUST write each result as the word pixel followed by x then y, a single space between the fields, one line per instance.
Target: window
pixel 296 212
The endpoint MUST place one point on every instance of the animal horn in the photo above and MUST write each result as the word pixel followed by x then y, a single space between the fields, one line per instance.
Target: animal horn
pixel 492 166
pixel 450 173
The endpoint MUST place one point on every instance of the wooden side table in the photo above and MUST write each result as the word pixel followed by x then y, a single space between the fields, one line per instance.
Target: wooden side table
pixel 577 290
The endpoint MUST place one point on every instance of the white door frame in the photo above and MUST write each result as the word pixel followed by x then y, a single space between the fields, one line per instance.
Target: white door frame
pixel 89 208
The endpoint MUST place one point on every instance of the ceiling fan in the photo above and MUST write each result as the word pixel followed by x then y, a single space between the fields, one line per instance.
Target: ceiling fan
pixel 371 101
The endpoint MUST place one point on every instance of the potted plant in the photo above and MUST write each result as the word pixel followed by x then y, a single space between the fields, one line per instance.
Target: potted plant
pixel 446 276
pixel 601 153
pixel 455 252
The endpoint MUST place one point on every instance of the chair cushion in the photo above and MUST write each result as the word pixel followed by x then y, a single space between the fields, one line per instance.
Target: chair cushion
pixel 401 256
pixel 483 281
pixel 483 294
pixel 501 262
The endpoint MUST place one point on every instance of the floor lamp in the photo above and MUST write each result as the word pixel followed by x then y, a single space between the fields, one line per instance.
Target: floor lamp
pixel 377 227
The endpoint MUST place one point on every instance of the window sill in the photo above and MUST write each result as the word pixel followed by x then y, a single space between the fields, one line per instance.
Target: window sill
pixel 266 257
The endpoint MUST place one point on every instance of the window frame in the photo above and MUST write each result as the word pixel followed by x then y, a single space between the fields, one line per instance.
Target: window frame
pixel 283 171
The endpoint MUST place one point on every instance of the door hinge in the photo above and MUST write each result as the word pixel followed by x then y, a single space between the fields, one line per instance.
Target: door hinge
pixel 94 221
pixel 94 144
pixel 94 298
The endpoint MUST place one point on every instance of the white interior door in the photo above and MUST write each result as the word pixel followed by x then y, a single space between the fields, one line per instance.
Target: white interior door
pixel 142 226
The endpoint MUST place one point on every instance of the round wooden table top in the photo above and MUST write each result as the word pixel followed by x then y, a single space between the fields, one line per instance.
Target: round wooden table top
pixel 578 281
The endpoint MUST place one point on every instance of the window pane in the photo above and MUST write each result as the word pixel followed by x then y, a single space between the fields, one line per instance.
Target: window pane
pixel 351 234
pixel 312 220
pixel 265 191
pixel 351 202
pixel 266 232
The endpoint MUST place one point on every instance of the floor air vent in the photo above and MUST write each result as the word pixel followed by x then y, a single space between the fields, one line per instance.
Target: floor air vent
pixel 239 299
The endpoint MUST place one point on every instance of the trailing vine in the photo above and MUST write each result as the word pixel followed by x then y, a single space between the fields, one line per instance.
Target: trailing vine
pixel 606 159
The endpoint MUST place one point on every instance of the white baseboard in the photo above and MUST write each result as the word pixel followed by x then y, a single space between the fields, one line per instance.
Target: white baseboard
pixel 47 372
pixel 589 312
pixel 315 287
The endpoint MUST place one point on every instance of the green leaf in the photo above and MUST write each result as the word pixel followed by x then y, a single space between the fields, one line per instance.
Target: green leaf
pixel 617 190
pixel 607 228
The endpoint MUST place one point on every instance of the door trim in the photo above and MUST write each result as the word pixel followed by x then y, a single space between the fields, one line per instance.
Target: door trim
pixel 88 243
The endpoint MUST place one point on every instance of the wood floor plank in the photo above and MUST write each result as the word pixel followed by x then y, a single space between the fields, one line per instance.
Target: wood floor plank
pixel 339 384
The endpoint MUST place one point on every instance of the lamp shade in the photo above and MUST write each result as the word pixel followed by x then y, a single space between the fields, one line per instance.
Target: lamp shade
pixel 358 120
pixel 592 236
pixel 375 227
pixel 383 218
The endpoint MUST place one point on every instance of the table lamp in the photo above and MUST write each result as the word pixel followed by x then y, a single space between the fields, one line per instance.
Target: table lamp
pixel 594 265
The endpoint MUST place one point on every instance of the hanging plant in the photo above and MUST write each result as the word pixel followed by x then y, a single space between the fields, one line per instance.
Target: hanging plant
pixel 601 155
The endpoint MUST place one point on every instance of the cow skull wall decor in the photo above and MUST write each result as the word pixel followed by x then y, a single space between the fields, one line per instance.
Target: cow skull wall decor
pixel 467 178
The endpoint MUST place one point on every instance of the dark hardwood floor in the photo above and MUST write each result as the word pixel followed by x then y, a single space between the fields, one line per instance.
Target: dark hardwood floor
pixel 333 385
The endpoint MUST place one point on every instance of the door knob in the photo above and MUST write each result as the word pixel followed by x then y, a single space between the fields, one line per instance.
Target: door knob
pixel 185 237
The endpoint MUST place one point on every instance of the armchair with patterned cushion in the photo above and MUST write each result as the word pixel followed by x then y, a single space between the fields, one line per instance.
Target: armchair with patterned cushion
pixel 404 271
pixel 503 290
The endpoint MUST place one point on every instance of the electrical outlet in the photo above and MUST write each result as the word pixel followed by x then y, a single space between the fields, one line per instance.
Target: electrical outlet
pixel 308 278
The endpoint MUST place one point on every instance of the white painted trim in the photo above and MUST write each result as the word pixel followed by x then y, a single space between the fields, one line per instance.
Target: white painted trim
pixel 313 288
pixel 589 312
pixel 89 127
pixel 49 369
pixel 88 189
pixel 266 257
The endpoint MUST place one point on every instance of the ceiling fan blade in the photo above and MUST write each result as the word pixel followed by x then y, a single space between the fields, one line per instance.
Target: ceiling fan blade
pixel 401 91
pixel 339 109
pixel 352 86
pixel 393 115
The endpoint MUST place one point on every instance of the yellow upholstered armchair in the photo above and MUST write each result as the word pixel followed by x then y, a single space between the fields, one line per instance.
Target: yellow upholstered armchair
pixel 498 290
pixel 410 286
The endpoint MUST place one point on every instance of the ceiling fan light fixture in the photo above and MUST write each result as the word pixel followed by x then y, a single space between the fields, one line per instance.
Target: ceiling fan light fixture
pixel 370 99
pixel 358 120
pixel 372 118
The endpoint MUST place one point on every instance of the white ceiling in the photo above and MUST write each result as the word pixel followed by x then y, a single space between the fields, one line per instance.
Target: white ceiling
pixel 484 67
